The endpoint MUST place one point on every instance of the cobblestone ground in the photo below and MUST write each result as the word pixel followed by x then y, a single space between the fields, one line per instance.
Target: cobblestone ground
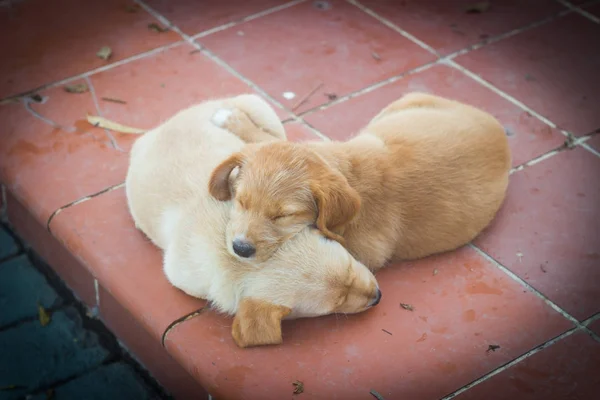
pixel 49 347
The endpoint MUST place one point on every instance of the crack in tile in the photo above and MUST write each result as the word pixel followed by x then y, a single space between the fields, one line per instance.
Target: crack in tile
pixel 78 201
pixel 181 320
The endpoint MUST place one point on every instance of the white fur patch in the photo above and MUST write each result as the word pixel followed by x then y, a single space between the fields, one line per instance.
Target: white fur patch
pixel 221 116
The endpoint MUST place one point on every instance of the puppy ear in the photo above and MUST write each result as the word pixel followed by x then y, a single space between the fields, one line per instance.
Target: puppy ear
pixel 218 185
pixel 337 202
pixel 258 323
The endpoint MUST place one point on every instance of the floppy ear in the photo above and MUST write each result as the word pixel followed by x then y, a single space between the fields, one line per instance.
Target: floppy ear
pixel 337 202
pixel 258 323
pixel 218 185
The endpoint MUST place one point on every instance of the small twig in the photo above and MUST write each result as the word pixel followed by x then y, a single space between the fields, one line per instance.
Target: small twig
pixel 388 332
pixel 111 100
pixel 376 395
pixel 307 96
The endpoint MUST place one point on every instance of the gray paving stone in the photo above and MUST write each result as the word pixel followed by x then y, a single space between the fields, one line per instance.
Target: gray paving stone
pixel 116 381
pixel 34 356
pixel 8 246
pixel 22 288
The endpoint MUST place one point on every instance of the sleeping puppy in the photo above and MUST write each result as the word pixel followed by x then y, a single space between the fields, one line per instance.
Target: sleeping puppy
pixel 166 186
pixel 425 176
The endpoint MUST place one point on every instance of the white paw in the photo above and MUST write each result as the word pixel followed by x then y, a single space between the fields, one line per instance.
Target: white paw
pixel 221 116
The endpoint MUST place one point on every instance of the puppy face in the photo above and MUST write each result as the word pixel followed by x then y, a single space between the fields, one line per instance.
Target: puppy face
pixel 309 276
pixel 277 190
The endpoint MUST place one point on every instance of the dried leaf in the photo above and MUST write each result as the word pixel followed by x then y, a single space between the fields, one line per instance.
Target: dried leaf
pixel 435 272
pixel 376 395
pixel 113 126
pixel 157 28
pixel 478 8
pixel 104 53
pixel 77 88
pixel 492 347
pixel 298 387
pixel 43 315
pixel 407 307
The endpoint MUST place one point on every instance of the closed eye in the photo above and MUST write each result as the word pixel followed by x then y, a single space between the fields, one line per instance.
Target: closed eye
pixel 281 217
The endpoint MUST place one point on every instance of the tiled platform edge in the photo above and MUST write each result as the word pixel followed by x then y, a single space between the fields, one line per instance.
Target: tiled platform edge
pixel 487 318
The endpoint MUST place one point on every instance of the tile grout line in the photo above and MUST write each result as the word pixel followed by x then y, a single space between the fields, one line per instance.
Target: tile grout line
pixel 523 283
pixel 579 11
pixel 246 19
pixel 81 200
pixel 94 71
pixel 590 149
pixel 217 60
pixel 517 360
pixel 109 135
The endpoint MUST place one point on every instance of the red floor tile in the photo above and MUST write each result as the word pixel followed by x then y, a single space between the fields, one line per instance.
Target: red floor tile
pixel 157 87
pixel 42 44
pixel 448 27
pixel 101 235
pixel 193 17
pixel 566 370
pixel 593 9
pixel 594 142
pixel 36 235
pixel 56 157
pixel 595 326
pixel 552 68
pixel 296 132
pixel 48 167
pixel 297 49
pixel 462 304
pixel 529 137
pixel 547 230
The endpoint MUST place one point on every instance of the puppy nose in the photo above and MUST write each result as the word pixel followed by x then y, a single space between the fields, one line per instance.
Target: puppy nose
pixel 243 248
pixel 377 298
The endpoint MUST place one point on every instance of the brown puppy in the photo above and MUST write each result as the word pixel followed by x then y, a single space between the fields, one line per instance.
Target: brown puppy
pixel 425 176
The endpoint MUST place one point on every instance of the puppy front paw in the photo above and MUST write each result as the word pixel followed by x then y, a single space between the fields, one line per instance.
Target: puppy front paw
pixel 221 117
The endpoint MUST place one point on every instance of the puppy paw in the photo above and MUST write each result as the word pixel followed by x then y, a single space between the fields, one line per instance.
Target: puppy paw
pixel 221 117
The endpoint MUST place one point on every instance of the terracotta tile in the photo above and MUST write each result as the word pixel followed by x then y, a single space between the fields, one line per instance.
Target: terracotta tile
pixel 35 234
pixel 193 17
pixel 148 350
pixel 566 370
pixel 595 326
pixel 529 137
pixel 594 142
pixel 593 9
pixel 155 88
pixel 458 312
pixel 40 47
pixel 546 231
pixel 332 46
pixel 296 132
pixel 101 235
pixel 552 68
pixel 448 27
pixel 49 167
pixel 37 154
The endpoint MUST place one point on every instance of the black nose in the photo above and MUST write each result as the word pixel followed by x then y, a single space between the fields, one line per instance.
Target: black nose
pixel 377 298
pixel 243 249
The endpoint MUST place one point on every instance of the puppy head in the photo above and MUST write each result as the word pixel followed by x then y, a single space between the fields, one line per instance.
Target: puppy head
pixel 278 189
pixel 309 276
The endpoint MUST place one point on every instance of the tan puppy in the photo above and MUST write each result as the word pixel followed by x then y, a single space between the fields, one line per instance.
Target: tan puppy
pixel 168 198
pixel 425 176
